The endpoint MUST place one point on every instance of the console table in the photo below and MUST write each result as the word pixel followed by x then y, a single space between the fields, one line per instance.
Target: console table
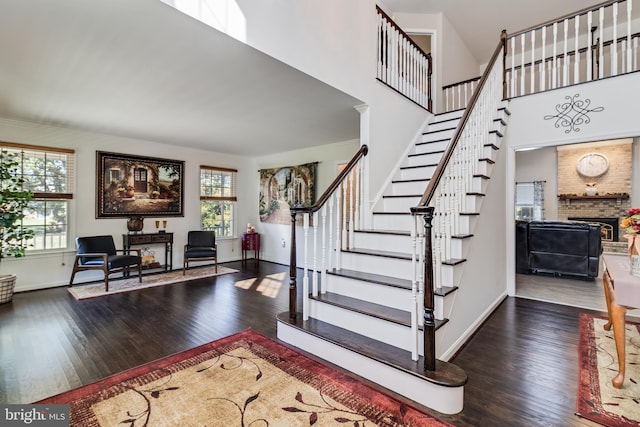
pixel 251 242
pixel 622 291
pixel 165 239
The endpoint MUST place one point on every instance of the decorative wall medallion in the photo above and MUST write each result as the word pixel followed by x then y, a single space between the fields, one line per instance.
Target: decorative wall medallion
pixel 573 113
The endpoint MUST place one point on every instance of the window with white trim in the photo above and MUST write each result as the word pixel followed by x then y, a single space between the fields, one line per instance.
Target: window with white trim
pixel 48 173
pixel 218 200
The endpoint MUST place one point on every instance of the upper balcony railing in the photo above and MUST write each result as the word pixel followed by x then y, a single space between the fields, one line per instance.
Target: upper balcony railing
pixel 591 44
pixel 402 65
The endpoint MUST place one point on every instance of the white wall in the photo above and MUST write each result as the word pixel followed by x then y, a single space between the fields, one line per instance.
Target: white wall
pixel 328 158
pixel 37 271
pixel 335 42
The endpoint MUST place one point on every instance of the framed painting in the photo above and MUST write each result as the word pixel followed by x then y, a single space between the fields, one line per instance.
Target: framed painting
pixel 128 185
pixel 281 188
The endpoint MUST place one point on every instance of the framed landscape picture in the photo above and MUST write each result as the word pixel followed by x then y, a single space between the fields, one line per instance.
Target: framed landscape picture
pixel 128 185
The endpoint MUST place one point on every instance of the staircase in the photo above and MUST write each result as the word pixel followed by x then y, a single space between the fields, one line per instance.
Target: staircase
pixel 362 318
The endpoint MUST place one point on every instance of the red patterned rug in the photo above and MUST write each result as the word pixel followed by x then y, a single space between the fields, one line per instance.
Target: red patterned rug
pixel 597 399
pixel 246 379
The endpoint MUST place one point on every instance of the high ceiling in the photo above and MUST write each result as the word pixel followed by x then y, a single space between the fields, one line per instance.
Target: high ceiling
pixel 479 23
pixel 142 69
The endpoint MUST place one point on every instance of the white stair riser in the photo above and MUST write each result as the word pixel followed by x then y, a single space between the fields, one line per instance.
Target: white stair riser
pixel 431 147
pixel 370 326
pixel 499 125
pixel 400 268
pixel 438 135
pixel 485 168
pixel 495 139
pixel 459 248
pixel 417 173
pixel 465 223
pixel 450 115
pixel 473 203
pixel 399 204
pixel 409 187
pixel 448 400
pixel 451 274
pixel 442 305
pixel 425 159
pixel 443 124
pixel 371 292
pixel 393 222
pixel 388 242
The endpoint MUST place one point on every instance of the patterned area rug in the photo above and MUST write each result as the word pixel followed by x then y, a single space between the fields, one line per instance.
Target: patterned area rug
pixel 597 399
pixel 246 379
pixel 117 286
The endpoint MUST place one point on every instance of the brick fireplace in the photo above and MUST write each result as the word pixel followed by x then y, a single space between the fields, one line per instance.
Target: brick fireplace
pixel 608 211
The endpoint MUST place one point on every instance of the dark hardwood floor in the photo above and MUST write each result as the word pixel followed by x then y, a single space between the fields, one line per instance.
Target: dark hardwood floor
pixel 522 364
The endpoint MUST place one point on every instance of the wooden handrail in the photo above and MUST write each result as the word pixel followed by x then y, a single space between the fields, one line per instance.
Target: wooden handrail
pixel 334 185
pixel 567 16
pixel 439 172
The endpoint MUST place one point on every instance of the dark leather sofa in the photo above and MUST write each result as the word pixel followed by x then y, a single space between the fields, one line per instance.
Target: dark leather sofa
pixel 558 247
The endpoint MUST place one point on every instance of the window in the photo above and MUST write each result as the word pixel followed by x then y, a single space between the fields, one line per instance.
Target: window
pixel 218 200
pixel 48 173
pixel 530 201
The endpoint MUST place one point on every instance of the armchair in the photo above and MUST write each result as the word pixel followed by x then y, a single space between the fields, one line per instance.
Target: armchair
pixel 100 253
pixel 201 246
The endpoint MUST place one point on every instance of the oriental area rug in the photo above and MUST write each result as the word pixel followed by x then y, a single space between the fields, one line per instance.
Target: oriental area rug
pixel 246 379
pixel 117 285
pixel 597 399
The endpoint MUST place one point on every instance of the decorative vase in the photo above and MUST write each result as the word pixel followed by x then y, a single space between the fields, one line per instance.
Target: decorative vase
pixel 591 190
pixel 633 246
pixel 135 223
pixel 7 285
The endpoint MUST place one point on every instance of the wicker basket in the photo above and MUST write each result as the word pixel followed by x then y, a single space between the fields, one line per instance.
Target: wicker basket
pixel 7 283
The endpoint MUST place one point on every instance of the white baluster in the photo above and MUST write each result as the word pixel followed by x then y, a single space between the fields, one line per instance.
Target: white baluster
pixel 543 84
pixel 522 65
pixel 532 74
pixel 325 266
pixel 350 180
pixel 588 57
pixel 565 62
pixel 379 50
pixel 338 240
pixel 554 77
pixel 601 45
pixel 614 45
pixel 629 8
pixel 315 254
pixel 635 53
pixel 514 72
pixel 305 280
pixel 345 242
pixel 332 256
pixel 414 292
pixel 357 202
pixel 576 50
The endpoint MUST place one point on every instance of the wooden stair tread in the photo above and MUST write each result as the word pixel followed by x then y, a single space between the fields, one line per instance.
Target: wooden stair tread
pixel 392 232
pixel 378 311
pixel 446 374
pixel 385 254
pixel 391 196
pixel 373 278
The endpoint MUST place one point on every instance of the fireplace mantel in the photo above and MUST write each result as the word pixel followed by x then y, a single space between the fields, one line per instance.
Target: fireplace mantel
pixel 603 197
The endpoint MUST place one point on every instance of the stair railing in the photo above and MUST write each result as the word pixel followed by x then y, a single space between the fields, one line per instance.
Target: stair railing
pixel 438 213
pixel 457 95
pixel 591 44
pixel 343 205
pixel 402 64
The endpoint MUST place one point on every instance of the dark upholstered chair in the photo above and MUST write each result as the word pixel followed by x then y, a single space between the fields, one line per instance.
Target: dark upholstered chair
pixel 201 246
pixel 100 253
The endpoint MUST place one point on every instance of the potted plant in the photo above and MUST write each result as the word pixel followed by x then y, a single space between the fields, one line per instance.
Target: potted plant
pixel 13 201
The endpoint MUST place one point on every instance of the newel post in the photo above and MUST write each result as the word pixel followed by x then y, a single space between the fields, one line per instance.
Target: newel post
pixel 503 40
pixel 429 330
pixel 293 291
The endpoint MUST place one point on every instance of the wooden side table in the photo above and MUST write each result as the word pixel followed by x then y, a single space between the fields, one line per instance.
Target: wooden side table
pixel 622 291
pixel 251 242
pixel 165 239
